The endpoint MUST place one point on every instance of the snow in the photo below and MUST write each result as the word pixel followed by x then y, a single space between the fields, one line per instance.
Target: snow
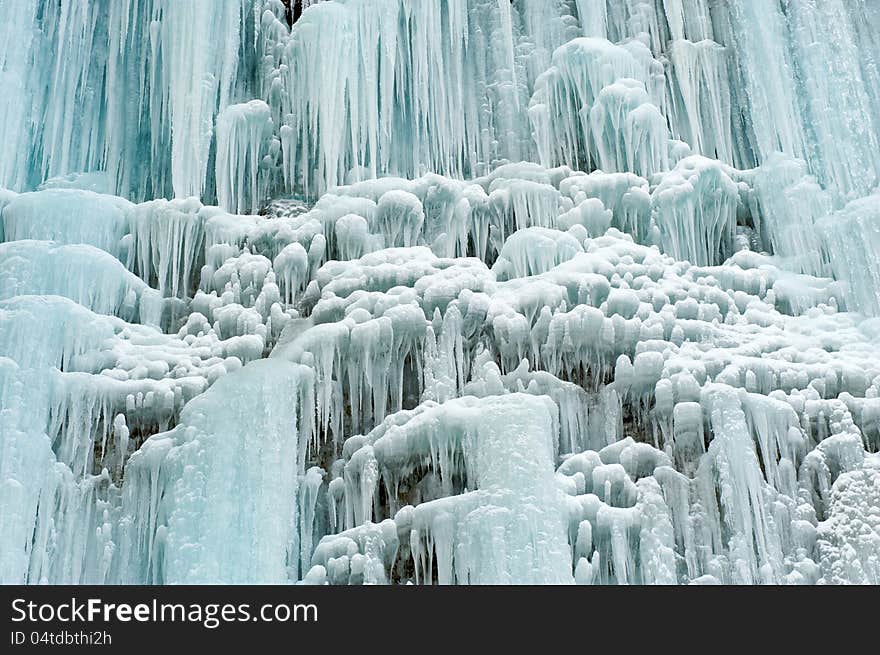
pixel 458 292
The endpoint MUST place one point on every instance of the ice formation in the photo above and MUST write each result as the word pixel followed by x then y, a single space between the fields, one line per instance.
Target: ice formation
pixel 440 292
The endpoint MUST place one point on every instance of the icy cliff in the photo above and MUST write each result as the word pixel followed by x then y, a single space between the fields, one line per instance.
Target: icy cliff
pixel 440 291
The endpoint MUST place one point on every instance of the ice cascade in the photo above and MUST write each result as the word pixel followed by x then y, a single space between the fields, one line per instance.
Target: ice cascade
pixel 439 292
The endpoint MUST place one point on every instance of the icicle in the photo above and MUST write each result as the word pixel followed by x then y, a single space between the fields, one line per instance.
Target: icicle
pixel 242 143
pixel 853 248
pixel 694 208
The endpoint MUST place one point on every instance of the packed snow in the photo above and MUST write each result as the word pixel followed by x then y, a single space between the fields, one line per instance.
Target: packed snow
pixel 440 292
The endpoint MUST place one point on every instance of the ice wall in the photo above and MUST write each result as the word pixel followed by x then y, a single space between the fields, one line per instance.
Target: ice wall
pixel 358 89
pixel 131 88
pixel 446 292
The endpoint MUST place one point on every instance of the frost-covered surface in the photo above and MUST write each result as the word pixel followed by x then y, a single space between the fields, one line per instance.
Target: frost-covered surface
pixel 548 291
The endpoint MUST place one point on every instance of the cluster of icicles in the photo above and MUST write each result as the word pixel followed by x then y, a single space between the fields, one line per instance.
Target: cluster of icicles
pixel 547 307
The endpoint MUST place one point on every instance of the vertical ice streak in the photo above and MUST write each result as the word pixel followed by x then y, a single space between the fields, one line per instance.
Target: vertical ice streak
pixel 205 489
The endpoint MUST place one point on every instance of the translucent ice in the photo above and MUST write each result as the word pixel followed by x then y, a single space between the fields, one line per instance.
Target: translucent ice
pixel 448 291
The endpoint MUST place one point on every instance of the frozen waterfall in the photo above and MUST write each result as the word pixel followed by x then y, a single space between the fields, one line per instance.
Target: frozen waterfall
pixel 440 291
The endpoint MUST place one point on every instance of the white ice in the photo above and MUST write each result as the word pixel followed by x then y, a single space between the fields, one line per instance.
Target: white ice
pixel 440 292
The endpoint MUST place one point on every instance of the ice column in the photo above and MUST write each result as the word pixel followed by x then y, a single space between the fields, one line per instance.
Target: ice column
pixel 214 500
pixel 242 135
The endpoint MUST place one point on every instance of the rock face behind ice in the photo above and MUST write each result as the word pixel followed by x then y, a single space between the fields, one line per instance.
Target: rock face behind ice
pixel 455 292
